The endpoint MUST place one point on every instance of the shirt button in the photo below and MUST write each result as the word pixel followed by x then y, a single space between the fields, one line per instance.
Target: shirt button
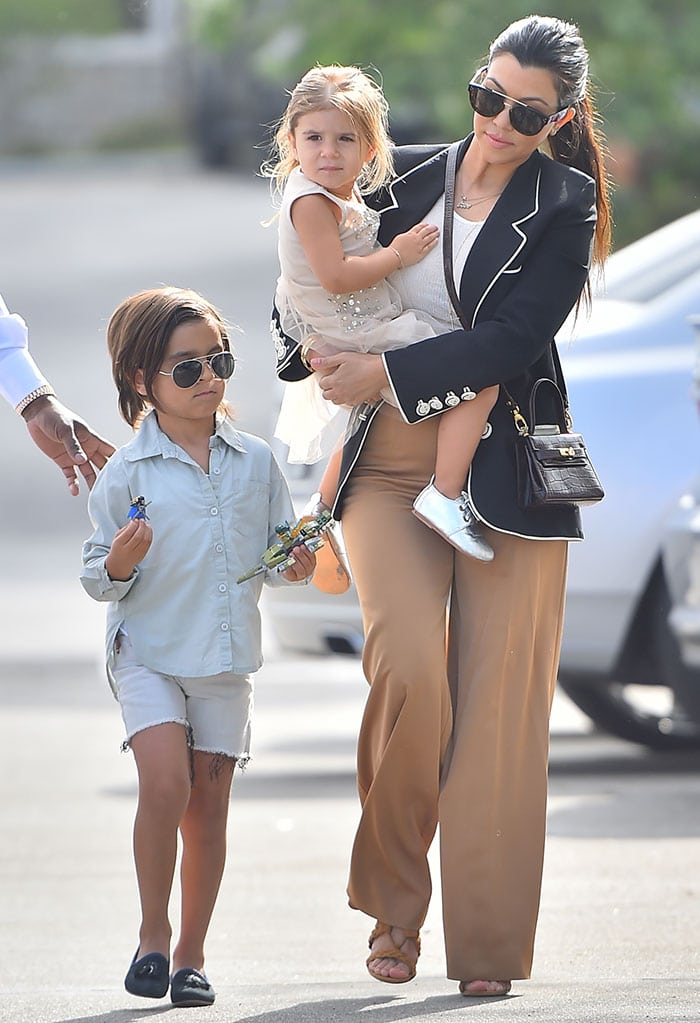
pixel 222 587
pixel 219 547
pixel 224 626
pixel 217 472
pixel 214 511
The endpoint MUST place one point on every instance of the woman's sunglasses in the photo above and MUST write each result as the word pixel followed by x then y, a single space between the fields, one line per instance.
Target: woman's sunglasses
pixel 526 120
pixel 187 373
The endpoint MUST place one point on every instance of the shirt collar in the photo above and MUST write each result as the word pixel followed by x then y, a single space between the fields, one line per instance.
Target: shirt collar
pixel 149 440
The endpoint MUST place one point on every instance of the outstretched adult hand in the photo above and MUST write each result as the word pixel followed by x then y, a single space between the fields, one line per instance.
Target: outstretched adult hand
pixel 350 378
pixel 67 440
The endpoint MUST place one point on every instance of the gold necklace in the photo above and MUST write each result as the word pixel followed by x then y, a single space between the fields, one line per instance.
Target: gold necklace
pixel 465 203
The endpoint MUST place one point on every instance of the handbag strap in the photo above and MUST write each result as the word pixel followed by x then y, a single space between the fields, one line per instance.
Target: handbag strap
pixel 447 233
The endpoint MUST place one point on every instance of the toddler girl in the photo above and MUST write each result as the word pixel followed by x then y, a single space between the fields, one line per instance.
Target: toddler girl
pixel 332 294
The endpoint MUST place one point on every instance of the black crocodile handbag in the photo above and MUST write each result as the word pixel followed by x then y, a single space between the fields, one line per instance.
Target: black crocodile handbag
pixel 553 467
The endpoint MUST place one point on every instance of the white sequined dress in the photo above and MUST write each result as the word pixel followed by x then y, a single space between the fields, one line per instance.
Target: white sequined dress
pixel 367 320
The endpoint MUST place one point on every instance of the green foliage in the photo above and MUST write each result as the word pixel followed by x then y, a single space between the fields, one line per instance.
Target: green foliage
pixel 54 17
pixel 645 64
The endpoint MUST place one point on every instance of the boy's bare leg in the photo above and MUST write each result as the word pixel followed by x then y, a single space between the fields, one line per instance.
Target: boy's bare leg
pixel 459 434
pixel 163 763
pixel 203 829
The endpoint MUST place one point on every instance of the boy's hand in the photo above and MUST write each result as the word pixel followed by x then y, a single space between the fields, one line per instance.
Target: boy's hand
pixel 129 546
pixel 304 564
pixel 415 244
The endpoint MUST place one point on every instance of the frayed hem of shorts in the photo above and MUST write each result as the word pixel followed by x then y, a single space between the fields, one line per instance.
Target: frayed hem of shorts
pixel 126 744
pixel 241 760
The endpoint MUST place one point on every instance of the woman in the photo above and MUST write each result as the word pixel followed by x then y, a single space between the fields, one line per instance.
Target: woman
pixel 462 739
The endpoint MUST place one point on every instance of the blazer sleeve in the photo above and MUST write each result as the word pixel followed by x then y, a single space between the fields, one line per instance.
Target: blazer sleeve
pixel 515 321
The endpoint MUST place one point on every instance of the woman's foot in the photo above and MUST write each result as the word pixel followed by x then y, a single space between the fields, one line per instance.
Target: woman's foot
pixel 484 988
pixel 393 954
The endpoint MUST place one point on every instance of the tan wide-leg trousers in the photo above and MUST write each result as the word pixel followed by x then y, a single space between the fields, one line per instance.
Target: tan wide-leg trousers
pixel 458 736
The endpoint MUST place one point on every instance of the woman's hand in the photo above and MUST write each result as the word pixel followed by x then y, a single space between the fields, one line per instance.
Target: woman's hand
pixel 350 378
pixel 304 564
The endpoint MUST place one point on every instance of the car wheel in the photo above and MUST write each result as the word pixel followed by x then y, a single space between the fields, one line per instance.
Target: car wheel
pixel 622 709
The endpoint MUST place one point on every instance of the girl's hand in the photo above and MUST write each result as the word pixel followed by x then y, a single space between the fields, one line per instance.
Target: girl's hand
pixel 304 564
pixel 349 378
pixel 129 546
pixel 415 244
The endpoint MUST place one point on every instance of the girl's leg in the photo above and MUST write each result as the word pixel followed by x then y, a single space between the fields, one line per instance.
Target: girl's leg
pixel 332 573
pixel 163 763
pixel 459 433
pixel 442 504
pixel 203 829
pixel 328 486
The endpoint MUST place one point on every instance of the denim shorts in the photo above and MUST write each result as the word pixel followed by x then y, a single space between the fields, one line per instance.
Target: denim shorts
pixel 216 710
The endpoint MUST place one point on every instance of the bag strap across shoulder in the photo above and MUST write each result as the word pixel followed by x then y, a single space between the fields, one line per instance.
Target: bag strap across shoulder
pixel 447 233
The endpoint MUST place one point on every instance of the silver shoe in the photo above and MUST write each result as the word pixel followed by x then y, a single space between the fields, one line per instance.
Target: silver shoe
pixel 454 520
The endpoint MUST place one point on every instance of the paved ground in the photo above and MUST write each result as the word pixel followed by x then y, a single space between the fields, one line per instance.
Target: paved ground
pixel 620 919
pixel 620 923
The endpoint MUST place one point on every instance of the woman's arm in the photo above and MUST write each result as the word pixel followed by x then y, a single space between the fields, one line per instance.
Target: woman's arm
pixel 499 347
pixel 315 220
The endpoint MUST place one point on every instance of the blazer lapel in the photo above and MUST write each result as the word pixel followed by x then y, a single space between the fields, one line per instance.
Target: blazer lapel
pixel 499 243
pixel 408 198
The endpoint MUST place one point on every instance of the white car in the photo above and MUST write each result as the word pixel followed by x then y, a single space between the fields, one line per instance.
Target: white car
pixel 681 560
pixel 629 368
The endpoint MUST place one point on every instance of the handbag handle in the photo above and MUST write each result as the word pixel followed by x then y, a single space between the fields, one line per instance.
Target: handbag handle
pixel 447 265
pixel 564 424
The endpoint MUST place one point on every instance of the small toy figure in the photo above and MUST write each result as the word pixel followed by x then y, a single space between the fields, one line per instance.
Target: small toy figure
pixel 307 531
pixel 137 509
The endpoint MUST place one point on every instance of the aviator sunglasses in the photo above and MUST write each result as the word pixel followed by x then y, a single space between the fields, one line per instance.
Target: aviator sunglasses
pixel 525 119
pixel 187 373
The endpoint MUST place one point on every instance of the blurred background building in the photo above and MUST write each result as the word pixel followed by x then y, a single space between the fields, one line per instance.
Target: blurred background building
pixel 105 75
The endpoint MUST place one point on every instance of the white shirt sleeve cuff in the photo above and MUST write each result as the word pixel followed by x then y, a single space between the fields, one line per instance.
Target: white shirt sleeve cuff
pixel 19 374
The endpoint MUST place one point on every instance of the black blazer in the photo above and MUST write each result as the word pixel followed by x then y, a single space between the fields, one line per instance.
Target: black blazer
pixel 523 276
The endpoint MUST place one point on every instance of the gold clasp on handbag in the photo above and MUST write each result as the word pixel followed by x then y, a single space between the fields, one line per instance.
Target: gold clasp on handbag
pixel 567 452
pixel 519 420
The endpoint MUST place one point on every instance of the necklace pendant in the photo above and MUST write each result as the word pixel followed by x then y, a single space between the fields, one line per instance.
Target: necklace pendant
pixel 464 204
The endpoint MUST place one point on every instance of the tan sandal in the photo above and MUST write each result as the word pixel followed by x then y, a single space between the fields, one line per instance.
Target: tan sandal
pixel 476 992
pixel 393 953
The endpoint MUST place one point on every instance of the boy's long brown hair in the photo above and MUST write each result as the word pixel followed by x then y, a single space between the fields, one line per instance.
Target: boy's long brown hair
pixel 137 338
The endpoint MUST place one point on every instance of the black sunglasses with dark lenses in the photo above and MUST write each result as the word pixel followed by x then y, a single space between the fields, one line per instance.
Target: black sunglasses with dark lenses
pixel 525 119
pixel 187 373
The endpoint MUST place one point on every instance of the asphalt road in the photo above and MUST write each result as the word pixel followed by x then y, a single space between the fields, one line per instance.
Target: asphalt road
pixel 620 923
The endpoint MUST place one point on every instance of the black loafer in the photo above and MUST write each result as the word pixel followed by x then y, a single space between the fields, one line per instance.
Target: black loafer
pixel 148 976
pixel 189 987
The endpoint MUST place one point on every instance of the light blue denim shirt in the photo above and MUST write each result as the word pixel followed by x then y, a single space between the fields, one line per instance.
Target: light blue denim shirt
pixel 182 608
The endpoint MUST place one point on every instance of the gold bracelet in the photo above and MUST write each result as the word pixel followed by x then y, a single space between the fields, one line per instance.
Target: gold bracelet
pixel 45 391
pixel 303 353
pixel 398 256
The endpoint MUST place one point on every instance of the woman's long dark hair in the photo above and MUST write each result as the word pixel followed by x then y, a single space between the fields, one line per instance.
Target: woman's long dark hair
pixel 557 47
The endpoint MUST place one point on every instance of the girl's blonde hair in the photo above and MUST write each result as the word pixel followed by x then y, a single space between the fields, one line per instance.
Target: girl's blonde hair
pixel 352 91
pixel 137 337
